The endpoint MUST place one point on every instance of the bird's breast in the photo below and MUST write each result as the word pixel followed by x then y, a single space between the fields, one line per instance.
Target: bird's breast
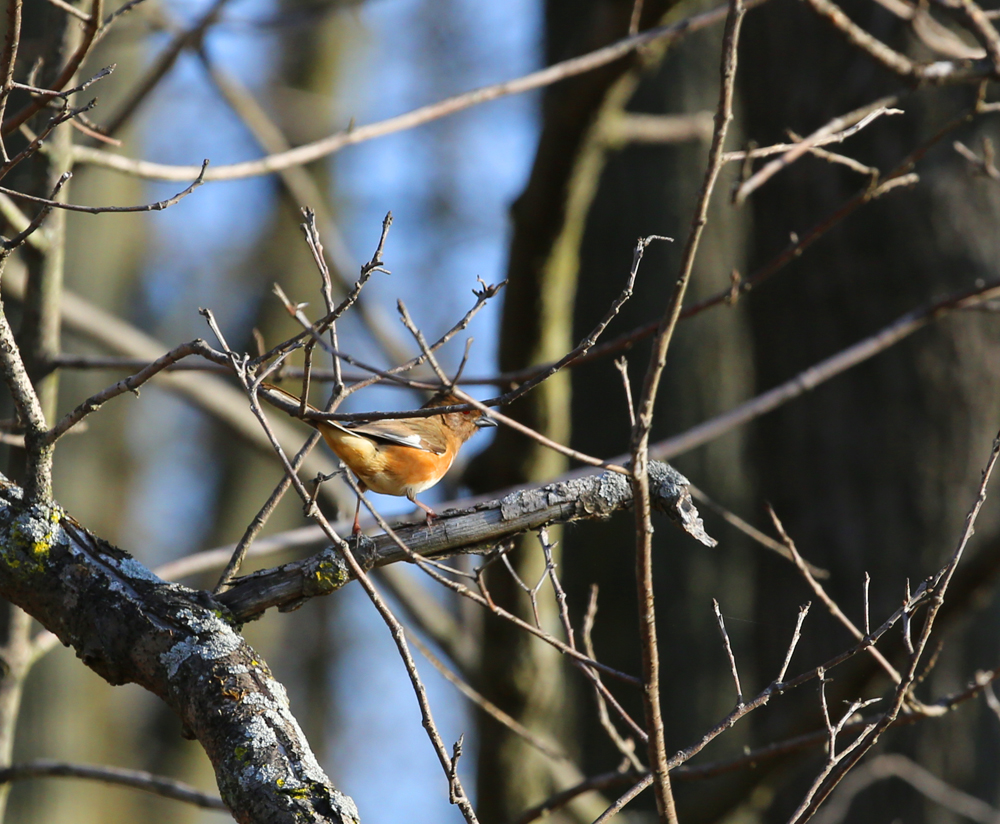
pixel 389 469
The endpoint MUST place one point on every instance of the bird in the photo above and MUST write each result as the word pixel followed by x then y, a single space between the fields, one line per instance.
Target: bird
pixel 399 456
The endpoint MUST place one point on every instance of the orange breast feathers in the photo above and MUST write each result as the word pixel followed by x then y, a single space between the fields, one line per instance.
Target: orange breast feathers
pixel 400 456
pixel 382 463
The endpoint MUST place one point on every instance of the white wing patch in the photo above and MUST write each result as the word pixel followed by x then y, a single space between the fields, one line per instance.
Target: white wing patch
pixel 385 435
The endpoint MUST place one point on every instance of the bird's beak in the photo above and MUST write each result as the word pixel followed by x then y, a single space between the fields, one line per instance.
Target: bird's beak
pixel 484 420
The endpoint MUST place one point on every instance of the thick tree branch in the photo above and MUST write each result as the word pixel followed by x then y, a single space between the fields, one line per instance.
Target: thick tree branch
pixel 131 627
pixel 471 531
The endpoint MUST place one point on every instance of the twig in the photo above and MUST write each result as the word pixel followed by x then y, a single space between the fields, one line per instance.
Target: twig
pixel 644 421
pixel 12 40
pixel 858 37
pixel 983 165
pixel 937 589
pixel 52 94
pixel 38 219
pixel 418 336
pixel 590 341
pixel 830 604
pixel 820 737
pixel 633 23
pixel 619 805
pixel 927 784
pixel 750 530
pixel 561 799
pixel 625 746
pixel 260 519
pixel 159 206
pixel 70 9
pixel 38 484
pixel 67 73
pixel 527 385
pixel 803 612
pixel 541 744
pixel 315 330
pixel 857 119
pixel 824 370
pixel 130 384
pixel 621 364
pixel 163 63
pixel 138 779
pixel 729 652
pixel 425 114
pixel 36 141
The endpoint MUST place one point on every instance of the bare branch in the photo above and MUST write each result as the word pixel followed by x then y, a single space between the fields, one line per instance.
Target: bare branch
pixel 729 652
pixel 857 120
pixel 639 446
pixel 351 136
pixel 159 206
pixel 935 596
pixel 138 779
pixel 67 73
pixel 38 219
pixel 12 40
pixel 131 384
pixel 822 371
pixel 830 604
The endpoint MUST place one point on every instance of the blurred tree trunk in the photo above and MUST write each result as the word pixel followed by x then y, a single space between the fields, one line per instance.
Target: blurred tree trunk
pixel 876 470
pixel 526 678
pixel 652 190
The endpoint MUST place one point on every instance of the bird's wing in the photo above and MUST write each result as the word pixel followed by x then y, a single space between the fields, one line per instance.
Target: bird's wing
pixel 413 433
pixel 404 432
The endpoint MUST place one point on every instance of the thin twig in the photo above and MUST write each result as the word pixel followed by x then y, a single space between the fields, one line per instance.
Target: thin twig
pixel 812 377
pixel 830 604
pixel 65 76
pixel 38 219
pixel 321 148
pixel 130 384
pixel 626 746
pixel 936 592
pixel 857 119
pixel 38 485
pixel 644 422
pixel 137 779
pixel 729 652
pixel 619 805
pixel 159 206
pixel 543 745
pixel 12 40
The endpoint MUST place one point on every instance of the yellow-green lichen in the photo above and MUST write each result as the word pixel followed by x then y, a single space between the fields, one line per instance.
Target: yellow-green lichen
pixel 330 575
pixel 31 538
pixel 241 753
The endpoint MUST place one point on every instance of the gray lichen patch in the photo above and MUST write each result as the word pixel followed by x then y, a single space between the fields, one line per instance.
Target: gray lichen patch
pixel 666 484
pixel 28 536
pixel 131 568
pixel 211 639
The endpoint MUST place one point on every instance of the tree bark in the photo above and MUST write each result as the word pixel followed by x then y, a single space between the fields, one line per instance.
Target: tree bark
pixel 131 627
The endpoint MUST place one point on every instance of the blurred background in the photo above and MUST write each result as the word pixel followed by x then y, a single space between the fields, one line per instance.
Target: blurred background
pixel 872 472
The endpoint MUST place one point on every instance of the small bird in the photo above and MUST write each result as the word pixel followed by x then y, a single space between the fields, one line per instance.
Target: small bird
pixel 401 456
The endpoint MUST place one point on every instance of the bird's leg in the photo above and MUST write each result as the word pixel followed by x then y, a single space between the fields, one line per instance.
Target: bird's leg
pixel 356 529
pixel 431 514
